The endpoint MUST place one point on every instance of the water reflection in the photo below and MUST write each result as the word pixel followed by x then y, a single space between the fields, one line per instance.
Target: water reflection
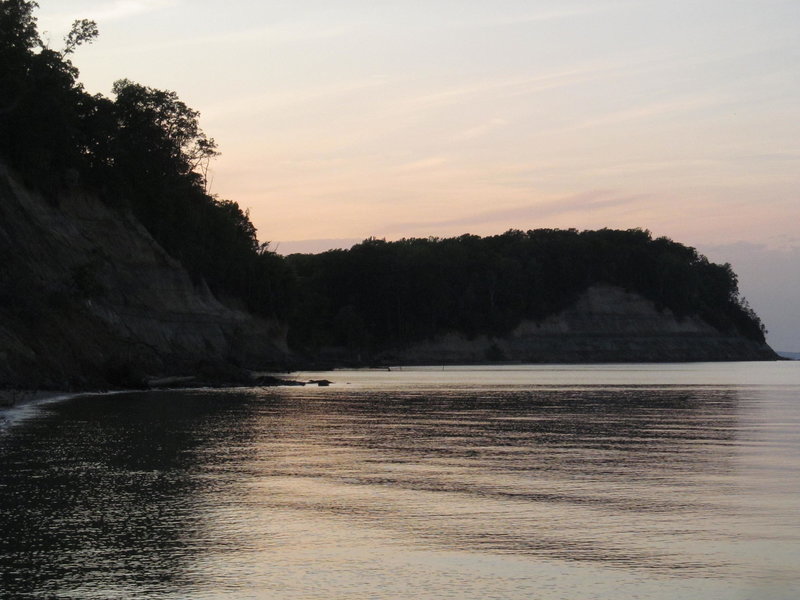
pixel 103 490
pixel 566 475
pixel 285 493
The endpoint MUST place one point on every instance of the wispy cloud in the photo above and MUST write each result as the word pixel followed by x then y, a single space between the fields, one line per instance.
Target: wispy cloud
pixel 266 35
pixel 280 33
pixel 603 70
pixel 546 15
pixel 654 110
pixel 687 165
pixel 431 162
pixel 118 10
pixel 508 86
pixel 530 214
pixel 270 100
pixel 123 9
pixel 480 130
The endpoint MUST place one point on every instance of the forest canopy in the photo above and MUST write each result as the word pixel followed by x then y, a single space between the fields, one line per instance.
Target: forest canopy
pixel 143 151
pixel 387 294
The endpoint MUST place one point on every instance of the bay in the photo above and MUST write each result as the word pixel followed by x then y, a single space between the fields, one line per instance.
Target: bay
pixel 596 481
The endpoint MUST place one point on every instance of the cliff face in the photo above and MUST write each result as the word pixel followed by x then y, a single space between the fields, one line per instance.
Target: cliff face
pixel 606 324
pixel 88 298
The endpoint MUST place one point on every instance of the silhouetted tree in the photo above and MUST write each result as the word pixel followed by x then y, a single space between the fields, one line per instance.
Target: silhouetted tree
pixel 83 31
pixel 143 151
pixel 407 291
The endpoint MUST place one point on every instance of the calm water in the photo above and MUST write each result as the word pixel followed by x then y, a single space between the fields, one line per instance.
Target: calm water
pixel 622 481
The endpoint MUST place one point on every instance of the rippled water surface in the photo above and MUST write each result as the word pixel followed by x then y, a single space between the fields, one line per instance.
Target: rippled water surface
pixel 620 481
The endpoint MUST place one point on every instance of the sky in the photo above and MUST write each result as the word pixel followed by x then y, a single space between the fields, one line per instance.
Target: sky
pixel 343 120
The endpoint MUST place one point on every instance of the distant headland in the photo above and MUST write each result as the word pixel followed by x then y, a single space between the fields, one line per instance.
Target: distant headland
pixel 119 267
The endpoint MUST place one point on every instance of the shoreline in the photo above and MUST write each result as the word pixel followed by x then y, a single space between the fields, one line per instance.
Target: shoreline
pixel 20 397
pixel 11 399
pixel 26 404
pixel 19 405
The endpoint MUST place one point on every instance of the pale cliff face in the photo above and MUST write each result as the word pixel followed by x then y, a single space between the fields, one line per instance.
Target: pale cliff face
pixel 90 295
pixel 605 324
pixel 609 310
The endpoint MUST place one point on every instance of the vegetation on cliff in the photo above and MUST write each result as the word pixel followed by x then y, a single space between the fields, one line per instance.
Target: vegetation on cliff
pixel 387 294
pixel 143 152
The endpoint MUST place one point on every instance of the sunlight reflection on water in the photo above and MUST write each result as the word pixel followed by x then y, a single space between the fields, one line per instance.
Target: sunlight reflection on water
pixel 658 481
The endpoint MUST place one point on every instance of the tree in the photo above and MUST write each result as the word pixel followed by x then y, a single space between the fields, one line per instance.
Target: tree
pixel 83 31
pixel 406 291
pixel 18 33
pixel 18 38
pixel 142 151
pixel 160 133
pixel 39 97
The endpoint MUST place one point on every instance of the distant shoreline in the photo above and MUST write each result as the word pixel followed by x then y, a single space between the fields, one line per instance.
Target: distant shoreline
pixel 20 398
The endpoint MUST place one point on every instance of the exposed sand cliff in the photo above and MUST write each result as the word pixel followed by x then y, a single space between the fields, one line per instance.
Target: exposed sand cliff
pixel 606 324
pixel 87 298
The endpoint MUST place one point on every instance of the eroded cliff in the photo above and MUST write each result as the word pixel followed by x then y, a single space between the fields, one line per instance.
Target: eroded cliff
pixel 88 298
pixel 606 324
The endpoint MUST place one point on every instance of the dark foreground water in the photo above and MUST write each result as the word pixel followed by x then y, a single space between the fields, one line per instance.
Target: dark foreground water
pixel 612 482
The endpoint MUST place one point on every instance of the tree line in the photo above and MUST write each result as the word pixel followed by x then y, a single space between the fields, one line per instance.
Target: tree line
pixel 384 294
pixel 144 151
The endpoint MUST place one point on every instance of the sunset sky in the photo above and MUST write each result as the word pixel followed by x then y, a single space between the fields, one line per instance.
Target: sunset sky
pixel 348 119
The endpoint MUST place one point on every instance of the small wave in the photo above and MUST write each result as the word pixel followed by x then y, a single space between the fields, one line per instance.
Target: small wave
pixel 29 405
